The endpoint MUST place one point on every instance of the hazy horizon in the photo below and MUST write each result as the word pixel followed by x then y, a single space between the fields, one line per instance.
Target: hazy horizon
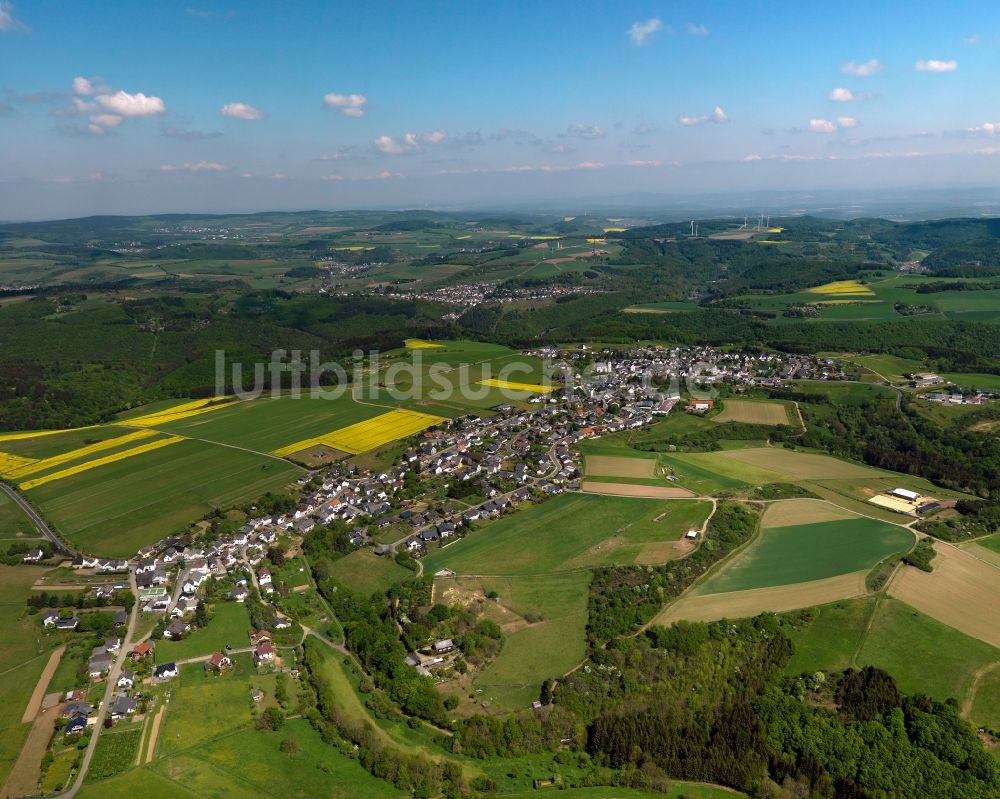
pixel 216 107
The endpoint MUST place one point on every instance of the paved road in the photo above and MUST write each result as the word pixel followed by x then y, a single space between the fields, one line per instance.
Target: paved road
pixel 109 692
pixel 38 520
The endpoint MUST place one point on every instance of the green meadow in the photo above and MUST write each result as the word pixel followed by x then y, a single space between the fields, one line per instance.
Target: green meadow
pixel 800 553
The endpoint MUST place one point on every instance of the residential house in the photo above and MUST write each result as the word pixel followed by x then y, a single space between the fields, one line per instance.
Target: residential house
pixel 263 653
pixel 218 662
pixel 166 671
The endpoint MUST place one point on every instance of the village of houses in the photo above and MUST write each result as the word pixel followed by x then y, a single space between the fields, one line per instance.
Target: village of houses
pixel 522 453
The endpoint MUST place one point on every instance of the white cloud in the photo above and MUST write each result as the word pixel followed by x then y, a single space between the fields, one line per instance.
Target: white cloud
pixel 334 178
pixel 435 137
pixel 641 31
pixel 350 105
pixel 644 163
pixel 847 122
pixel 696 30
pixel 972 40
pixel 718 116
pixel 863 69
pixel 198 166
pixel 241 111
pixel 989 128
pixel 82 86
pixel 935 65
pixel 8 22
pixel 821 126
pixel 388 145
pixel 585 131
pixel 988 150
pixel 751 157
pixel 590 165
pixel 841 95
pixel 131 105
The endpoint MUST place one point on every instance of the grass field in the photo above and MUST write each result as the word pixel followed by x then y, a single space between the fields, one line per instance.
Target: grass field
pixel 115 751
pixel 365 572
pixel 228 625
pixel 611 466
pixel 756 412
pixel 13 522
pixel 799 553
pixel 830 641
pixel 23 657
pixel 118 508
pixel 571 531
pixel 549 645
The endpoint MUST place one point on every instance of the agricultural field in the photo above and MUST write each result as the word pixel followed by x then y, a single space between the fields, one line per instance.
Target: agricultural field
pixel 810 540
pixel 119 507
pixel 23 658
pixel 615 466
pixel 962 592
pixel 369 434
pixel 13 523
pixel 573 531
pixel 923 655
pixel 757 412
pixel 115 752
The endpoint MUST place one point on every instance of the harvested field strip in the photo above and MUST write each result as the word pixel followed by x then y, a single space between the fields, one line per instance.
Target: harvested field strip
pixel 83 467
pixel 754 412
pixel 743 604
pixel 612 466
pixel 9 464
pixel 420 344
pixel 515 386
pixel 367 435
pixel 77 454
pixel 176 413
pixel 39 433
pixel 630 490
pixel 962 592
pixel 790 512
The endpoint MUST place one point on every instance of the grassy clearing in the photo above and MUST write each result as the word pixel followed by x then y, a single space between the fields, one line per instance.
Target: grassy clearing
pixel 200 710
pixel 756 412
pixel 569 531
pixel 830 641
pixel 547 617
pixel 118 508
pixel 115 751
pixel 805 552
pixel 364 572
pixel 229 625
pixel 986 703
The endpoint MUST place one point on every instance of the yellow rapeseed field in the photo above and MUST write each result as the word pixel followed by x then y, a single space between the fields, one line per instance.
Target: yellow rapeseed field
pixel 515 386
pixel 40 433
pixel 11 463
pixel 843 287
pixel 370 434
pixel 88 465
pixel 420 344
pixel 175 413
pixel 76 454
pixel 615 229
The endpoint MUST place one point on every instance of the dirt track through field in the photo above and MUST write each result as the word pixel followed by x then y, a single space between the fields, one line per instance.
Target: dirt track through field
pixel 630 490
pixel 153 733
pixel 23 777
pixel 42 686
pixel 962 592
pixel 743 604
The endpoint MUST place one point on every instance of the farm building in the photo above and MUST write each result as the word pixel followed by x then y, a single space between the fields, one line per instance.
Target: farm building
pixel 903 493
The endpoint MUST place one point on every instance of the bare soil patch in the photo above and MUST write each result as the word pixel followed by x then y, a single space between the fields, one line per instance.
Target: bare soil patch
pixel 962 592
pixel 23 777
pixel 153 733
pixel 743 604
pixel 629 490
pixel 42 685
pixel 613 466
pixel 791 512
pixel 662 551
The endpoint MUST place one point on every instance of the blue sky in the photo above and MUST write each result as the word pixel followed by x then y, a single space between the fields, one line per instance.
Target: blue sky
pixel 172 106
